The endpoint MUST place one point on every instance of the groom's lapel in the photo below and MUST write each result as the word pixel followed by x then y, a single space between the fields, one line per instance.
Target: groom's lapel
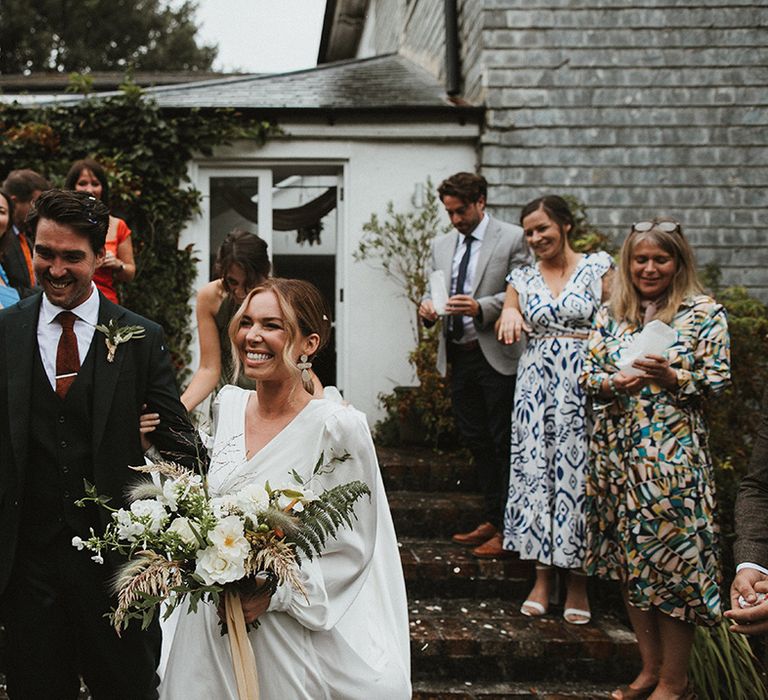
pixel 21 346
pixel 106 373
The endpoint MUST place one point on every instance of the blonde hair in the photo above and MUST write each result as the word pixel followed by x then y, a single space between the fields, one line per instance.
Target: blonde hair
pixel 304 313
pixel 625 300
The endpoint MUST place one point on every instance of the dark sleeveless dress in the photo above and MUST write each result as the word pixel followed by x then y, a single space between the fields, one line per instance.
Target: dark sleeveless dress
pixel 224 315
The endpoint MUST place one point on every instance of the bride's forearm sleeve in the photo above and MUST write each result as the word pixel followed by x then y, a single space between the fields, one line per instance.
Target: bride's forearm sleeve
pixel 333 580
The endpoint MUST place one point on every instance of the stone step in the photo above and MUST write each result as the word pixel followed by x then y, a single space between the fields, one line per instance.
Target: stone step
pixel 461 641
pixel 442 568
pixel 431 690
pixel 438 514
pixel 424 469
pixel 435 568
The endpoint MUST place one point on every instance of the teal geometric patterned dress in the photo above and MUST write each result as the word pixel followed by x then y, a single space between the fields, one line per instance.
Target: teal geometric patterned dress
pixel 650 488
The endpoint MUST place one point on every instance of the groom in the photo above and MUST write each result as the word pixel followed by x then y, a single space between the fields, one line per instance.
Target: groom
pixel 68 413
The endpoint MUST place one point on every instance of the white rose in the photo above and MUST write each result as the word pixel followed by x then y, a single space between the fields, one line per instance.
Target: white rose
pixel 212 567
pixel 181 526
pixel 228 538
pixel 151 511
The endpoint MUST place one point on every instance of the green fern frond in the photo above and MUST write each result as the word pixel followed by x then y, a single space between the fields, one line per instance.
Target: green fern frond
pixel 322 518
pixel 307 541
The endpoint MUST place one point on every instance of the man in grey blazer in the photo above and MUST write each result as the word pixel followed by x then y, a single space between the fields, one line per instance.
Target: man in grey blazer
pixel 749 605
pixel 475 261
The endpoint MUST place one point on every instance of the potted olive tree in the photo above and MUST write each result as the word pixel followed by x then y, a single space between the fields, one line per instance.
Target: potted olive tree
pixel 400 244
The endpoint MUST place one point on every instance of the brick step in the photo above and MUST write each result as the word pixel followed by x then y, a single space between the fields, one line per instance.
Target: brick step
pixel 467 641
pixel 431 690
pixel 440 568
pixel 424 469
pixel 438 514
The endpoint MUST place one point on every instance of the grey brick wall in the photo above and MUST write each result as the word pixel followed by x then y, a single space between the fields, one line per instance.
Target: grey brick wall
pixel 637 107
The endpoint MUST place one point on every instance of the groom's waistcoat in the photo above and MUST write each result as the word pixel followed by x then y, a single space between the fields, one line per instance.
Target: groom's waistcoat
pixel 60 455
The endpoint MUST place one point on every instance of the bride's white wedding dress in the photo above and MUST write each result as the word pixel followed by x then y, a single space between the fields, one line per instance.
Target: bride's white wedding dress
pixel 350 639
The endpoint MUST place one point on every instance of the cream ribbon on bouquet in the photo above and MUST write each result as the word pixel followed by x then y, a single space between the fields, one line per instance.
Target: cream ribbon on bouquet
pixel 242 652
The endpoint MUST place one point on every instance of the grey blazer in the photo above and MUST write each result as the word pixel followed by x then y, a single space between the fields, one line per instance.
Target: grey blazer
pixel 503 249
pixel 752 501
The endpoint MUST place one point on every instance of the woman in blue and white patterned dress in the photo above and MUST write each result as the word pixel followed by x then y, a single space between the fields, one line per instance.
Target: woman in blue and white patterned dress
pixel 553 302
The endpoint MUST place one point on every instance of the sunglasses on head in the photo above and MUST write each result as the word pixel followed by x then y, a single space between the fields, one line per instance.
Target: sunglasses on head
pixel 666 226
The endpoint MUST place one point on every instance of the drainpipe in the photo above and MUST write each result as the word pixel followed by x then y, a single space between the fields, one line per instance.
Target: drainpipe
pixel 452 63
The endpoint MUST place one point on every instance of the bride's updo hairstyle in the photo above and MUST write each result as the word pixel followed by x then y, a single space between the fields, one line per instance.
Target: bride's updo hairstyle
pixel 304 312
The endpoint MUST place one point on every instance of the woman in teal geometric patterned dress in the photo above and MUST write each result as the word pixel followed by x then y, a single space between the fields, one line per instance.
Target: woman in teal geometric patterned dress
pixel 650 490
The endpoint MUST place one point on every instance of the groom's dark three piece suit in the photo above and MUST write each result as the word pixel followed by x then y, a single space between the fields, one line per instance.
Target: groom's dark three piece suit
pixel 53 597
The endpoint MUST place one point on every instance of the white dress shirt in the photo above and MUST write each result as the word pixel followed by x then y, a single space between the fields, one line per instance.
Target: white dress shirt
pixel 49 330
pixel 469 281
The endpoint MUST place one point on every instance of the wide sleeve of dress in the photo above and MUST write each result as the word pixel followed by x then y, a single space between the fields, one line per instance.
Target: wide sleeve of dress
pixel 595 368
pixel 710 373
pixel 333 580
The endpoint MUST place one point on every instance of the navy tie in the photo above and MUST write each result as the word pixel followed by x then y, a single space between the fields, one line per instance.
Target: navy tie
pixel 456 324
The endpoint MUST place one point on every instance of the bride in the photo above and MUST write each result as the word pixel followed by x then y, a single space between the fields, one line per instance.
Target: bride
pixel 348 638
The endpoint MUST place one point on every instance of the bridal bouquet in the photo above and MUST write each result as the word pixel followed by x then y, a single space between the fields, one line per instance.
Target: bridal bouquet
pixel 181 543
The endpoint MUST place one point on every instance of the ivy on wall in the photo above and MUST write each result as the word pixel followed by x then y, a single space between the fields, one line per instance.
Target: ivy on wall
pixel 146 152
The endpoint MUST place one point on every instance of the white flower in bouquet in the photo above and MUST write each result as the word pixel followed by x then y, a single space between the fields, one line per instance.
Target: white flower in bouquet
pixel 127 528
pixel 307 497
pixel 228 536
pixel 223 506
pixel 170 494
pixel 214 567
pixel 257 528
pixel 253 499
pixel 182 527
pixel 151 513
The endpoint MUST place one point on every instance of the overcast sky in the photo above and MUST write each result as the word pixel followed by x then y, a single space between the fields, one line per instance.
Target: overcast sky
pixel 262 36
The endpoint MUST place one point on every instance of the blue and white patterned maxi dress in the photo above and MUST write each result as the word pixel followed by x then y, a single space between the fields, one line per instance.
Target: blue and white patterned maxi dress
pixel 544 518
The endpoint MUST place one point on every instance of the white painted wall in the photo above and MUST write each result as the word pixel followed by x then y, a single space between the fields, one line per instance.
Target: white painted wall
pixel 379 163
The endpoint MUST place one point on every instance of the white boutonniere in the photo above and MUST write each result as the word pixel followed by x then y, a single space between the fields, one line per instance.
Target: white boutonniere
pixel 115 335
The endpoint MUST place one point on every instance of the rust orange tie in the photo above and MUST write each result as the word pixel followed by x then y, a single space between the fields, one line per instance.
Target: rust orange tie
pixel 67 356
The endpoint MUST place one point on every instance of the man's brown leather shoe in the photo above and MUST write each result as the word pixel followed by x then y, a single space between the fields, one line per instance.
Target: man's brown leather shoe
pixel 492 549
pixel 479 535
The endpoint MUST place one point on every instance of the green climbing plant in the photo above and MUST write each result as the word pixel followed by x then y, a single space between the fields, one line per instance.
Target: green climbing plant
pixel 145 151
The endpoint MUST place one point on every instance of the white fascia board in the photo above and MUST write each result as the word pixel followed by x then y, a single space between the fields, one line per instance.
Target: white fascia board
pixel 435 131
